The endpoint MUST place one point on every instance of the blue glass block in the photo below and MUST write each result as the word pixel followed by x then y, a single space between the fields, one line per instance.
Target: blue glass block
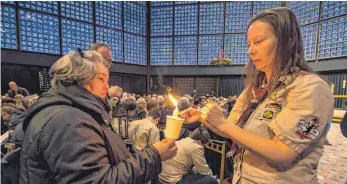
pixel 8 27
pixel 41 32
pixel 259 6
pixel 209 47
pixel 185 2
pixel 235 47
pixel 309 38
pixel 135 18
pixel 161 3
pixel 113 39
pixel 237 17
pixel 42 6
pixel 76 35
pixel 135 49
pixel 333 9
pixel 141 2
pixel 161 51
pixel 109 14
pixel 186 20
pixel 9 2
pixel 306 11
pixel 333 38
pixel 161 21
pixel 211 18
pixel 79 10
pixel 185 50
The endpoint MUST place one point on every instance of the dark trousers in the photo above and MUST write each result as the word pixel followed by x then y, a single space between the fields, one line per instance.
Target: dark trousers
pixel 198 179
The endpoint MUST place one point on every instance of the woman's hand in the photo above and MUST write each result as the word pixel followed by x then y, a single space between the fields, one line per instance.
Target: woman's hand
pixel 214 116
pixel 190 115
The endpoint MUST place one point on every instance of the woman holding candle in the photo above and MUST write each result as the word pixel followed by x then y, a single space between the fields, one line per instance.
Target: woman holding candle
pixel 278 124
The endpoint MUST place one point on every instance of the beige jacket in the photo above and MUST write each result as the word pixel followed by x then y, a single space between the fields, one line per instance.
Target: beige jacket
pixel 297 114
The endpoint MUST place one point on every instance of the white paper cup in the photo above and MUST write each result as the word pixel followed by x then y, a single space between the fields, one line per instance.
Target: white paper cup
pixel 173 126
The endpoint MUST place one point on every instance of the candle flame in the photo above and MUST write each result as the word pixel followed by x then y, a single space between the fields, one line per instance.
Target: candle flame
pixel 174 101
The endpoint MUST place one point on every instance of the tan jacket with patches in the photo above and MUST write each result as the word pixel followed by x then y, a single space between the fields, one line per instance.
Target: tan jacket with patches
pixel 297 114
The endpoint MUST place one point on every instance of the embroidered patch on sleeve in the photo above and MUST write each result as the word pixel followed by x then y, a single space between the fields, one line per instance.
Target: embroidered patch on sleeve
pixel 308 129
pixel 268 114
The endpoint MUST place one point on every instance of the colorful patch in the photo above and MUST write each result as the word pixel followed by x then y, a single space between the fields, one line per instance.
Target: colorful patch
pixel 308 129
pixel 268 114
pixel 273 106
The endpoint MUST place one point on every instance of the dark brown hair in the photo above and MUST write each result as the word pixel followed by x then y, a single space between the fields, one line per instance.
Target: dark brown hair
pixel 289 54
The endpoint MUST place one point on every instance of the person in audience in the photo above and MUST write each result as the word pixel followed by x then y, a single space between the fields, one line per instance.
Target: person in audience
pixel 183 104
pixel 14 90
pixel 279 121
pixel 130 107
pixel 67 135
pixel 190 155
pixel 144 133
pixel 19 100
pixel 104 50
pixel 161 101
pixel 151 104
pixel 141 109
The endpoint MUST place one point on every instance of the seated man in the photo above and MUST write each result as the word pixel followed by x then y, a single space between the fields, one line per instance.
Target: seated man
pixel 190 153
pixel 183 104
pixel 144 132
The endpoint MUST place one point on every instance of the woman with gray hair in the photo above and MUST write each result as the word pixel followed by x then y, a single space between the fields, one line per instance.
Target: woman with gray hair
pixel 67 135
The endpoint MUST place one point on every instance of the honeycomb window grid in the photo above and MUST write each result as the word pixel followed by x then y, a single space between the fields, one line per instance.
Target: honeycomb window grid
pixel 109 14
pixel 75 35
pixel 161 3
pixel 9 27
pixel 309 38
pixel 306 11
pixel 237 17
pixel 112 38
pixel 41 6
pixel 186 20
pixel 185 50
pixel 333 38
pixel 209 47
pixel 236 48
pixel 39 32
pixel 162 21
pixel 161 51
pixel 211 18
pixel 134 18
pixel 259 6
pixel 135 49
pixel 9 2
pixel 184 2
pixel 78 10
pixel 331 9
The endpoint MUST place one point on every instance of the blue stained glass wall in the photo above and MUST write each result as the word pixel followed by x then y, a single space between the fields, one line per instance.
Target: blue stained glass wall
pixel 135 18
pixel 333 38
pixel 135 49
pixel 162 21
pixel 309 38
pixel 186 20
pixel 235 47
pixel 185 2
pixel 237 17
pixel 185 50
pixel 76 34
pixel 333 9
pixel 39 32
pixel 161 51
pixel 305 11
pixel 161 3
pixel 259 6
pixel 9 2
pixel 79 10
pixel 41 6
pixel 109 14
pixel 209 47
pixel 112 38
pixel 8 28
pixel 211 18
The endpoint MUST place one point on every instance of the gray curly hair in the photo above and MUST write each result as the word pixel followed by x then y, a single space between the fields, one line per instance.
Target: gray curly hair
pixel 77 67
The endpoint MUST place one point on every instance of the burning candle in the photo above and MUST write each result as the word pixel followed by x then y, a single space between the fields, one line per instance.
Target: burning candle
pixel 175 113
